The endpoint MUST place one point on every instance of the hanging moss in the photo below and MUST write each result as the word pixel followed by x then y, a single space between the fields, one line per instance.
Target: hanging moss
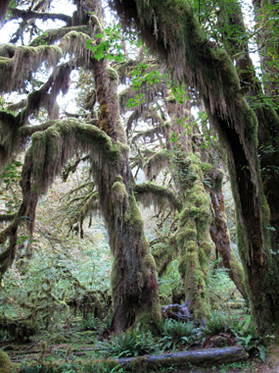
pixel 74 44
pixel 113 75
pixel 17 68
pixel 9 135
pixel 156 163
pixel 153 194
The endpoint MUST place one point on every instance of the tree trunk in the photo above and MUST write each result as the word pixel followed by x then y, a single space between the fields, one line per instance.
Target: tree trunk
pixel 266 14
pixel 220 234
pixel 133 280
pixel 3 11
pixel 193 236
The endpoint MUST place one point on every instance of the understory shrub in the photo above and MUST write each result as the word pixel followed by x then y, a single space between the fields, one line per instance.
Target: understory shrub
pixel 176 333
pixel 221 322
pixel 135 342
pixel 91 324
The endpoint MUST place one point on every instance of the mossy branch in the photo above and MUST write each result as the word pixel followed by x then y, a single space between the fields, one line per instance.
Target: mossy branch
pixel 28 14
pixel 51 36
pixel 6 217
pixel 49 152
pixel 14 71
pixel 156 163
pixel 150 193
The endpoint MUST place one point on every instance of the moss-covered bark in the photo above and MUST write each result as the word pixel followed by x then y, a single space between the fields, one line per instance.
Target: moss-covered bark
pixel 134 284
pixel 266 12
pixel 181 42
pixel 5 362
pixel 193 236
pixel 220 234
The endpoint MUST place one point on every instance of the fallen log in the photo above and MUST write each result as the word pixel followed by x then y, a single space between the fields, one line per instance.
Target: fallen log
pixel 205 357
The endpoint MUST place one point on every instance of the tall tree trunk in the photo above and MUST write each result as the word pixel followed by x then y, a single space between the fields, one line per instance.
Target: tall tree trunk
pixel 220 234
pixel 180 41
pixel 266 17
pixel 268 117
pixel 133 280
pixel 193 237
pixel 268 120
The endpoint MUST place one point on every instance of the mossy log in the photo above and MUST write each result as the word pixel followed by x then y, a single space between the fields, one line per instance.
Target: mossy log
pixel 204 357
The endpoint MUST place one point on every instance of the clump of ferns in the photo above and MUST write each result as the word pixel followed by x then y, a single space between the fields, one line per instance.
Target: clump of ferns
pixel 92 324
pixel 134 342
pixel 177 334
pixel 221 322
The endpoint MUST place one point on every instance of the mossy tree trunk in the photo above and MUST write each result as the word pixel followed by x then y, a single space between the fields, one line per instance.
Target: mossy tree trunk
pixel 193 237
pixel 266 14
pixel 220 234
pixel 267 116
pixel 133 280
pixel 181 42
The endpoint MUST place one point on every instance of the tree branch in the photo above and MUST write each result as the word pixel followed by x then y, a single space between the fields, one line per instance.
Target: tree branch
pixel 28 14
pixel 158 195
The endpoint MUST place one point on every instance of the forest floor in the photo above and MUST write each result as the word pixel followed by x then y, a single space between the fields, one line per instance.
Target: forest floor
pixel 56 354
pixel 69 350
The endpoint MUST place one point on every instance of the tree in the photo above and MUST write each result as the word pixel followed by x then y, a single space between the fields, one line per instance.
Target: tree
pixel 134 284
pixel 171 29
pixel 181 154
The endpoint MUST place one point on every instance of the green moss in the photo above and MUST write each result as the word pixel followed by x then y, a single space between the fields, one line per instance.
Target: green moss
pixel 119 191
pixel 111 363
pixel 113 74
pixel 5 363
pixel 139 365
pixel 133 216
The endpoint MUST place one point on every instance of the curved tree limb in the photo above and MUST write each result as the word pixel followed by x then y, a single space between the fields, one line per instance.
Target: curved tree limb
pixel 150 193
pixel 28 14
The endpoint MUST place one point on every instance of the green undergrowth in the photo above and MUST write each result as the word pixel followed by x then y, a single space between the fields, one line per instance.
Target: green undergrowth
pixel 176 334
pixel 136 342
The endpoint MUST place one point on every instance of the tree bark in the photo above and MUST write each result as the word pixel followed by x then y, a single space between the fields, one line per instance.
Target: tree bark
pixel 3 11
pixel 220 234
